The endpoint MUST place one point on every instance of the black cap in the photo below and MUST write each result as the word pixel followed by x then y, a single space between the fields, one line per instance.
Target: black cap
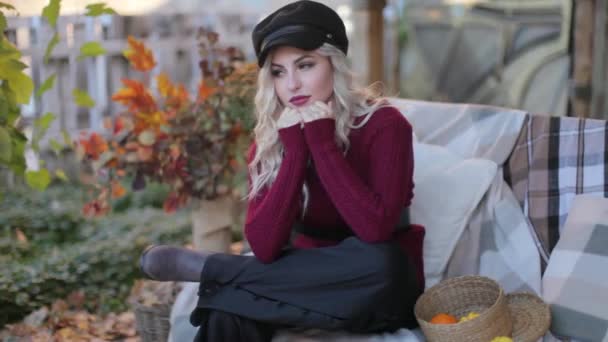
pixel 303 24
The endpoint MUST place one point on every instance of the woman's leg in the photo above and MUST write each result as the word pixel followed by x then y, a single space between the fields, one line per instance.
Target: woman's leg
pixel 354 286
pixel 225 327
pixel 169 263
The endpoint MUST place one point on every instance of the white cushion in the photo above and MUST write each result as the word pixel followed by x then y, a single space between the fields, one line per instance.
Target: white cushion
pixel 447 190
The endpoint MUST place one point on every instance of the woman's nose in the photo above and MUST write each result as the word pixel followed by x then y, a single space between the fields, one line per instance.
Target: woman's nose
pixel 293 82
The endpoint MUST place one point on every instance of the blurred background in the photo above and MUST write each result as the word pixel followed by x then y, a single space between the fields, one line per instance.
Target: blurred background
pixel 503 52
pixel 546 57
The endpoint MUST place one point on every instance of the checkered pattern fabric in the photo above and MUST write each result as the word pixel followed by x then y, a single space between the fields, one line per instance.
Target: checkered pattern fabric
pixel 554 159
pixel 575 282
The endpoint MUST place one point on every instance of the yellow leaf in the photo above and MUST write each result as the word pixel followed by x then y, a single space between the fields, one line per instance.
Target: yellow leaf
pixel 164 84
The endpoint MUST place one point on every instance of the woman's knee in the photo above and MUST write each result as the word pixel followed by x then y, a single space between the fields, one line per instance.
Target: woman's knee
pixel 394 265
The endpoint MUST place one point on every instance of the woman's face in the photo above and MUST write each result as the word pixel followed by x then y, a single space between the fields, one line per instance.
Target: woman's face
pixel 301 77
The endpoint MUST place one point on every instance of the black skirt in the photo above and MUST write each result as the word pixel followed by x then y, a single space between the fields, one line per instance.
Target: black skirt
pixel 353 286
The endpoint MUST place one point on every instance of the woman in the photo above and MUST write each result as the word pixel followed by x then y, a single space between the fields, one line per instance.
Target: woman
pixel 330 179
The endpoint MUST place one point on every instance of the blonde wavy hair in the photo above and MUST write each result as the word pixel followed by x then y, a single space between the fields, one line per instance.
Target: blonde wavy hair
pixel 350 102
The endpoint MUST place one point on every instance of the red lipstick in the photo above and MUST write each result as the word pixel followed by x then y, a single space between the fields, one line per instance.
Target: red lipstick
pixel 299 100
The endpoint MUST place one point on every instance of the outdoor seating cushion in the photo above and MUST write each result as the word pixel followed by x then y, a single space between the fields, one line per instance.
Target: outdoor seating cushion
pixel 447 189
pixel 575 283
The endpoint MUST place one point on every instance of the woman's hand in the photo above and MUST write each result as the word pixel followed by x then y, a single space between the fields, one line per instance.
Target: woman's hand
pixel 289 117
pixel 318 110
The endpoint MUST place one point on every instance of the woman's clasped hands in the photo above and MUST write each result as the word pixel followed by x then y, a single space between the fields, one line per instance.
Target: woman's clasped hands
pixel 316 111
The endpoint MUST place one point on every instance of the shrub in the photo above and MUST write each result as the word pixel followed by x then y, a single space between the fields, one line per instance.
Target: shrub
pixel 98 257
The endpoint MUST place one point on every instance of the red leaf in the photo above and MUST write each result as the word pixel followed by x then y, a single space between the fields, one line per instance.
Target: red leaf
pixel 140 57
pixel 94 146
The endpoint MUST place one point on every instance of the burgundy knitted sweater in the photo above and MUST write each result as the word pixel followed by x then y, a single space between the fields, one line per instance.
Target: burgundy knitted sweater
pixel 366 189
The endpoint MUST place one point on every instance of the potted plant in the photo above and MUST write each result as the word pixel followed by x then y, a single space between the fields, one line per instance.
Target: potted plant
pixel 194 143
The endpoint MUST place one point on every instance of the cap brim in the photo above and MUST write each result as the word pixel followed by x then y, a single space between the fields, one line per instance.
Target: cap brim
pixel 530 315
pixel 310 40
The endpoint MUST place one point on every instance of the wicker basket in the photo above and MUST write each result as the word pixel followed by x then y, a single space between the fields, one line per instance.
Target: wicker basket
pixel 458 297
pixel 152 322
pixel 531 316
pixel 151 302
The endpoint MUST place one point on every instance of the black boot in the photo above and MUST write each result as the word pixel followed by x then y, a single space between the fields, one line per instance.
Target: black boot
pixel 169 263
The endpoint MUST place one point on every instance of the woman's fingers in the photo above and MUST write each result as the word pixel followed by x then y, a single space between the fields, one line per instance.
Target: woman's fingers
pixel 316 111
pixel 289 117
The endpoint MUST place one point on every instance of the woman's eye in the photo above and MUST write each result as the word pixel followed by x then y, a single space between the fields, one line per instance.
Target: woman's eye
pixel 306 65
pixel 276 73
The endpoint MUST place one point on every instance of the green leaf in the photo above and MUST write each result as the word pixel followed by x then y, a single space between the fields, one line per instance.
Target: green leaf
pixel 8 94
pixel 14 65
pixel 97 9
pixel 82 98
pixel 18 136
pixel 23 86
pixel 12 115
pixel 51 12
pixel 61 175
pixel 4 111
pixel 38 180
pixel 49 48
pixel 17 163
pixel 9 110
pixel 7 6
pixel 67 140
pixel 91 49
pixel 42 125
pixel 46 85
pixel 6 147
pixel 3 23
pixel 20 83
pixel 8 50
pixel 45 121
pixel 55 146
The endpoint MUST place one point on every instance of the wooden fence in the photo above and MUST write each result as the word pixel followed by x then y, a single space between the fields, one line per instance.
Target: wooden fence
pixel 171 38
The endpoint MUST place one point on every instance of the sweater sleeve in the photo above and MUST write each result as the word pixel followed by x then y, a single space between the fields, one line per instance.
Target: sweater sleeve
pixel 370 208
pixel 271 214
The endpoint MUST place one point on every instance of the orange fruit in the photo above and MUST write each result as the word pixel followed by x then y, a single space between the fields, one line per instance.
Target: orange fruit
pixel 443 318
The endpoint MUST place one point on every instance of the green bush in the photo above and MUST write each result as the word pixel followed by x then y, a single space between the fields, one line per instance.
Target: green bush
pixel 45 218
pixel 65 252
pixel 152 196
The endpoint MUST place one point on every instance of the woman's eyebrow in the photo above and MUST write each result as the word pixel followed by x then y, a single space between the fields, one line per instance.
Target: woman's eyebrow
pixel 301 58
pixel 294 62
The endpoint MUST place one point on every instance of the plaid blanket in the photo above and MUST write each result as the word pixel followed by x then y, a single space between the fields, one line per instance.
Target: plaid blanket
pixel 498 241
pixel 553 160
pixel 574 282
